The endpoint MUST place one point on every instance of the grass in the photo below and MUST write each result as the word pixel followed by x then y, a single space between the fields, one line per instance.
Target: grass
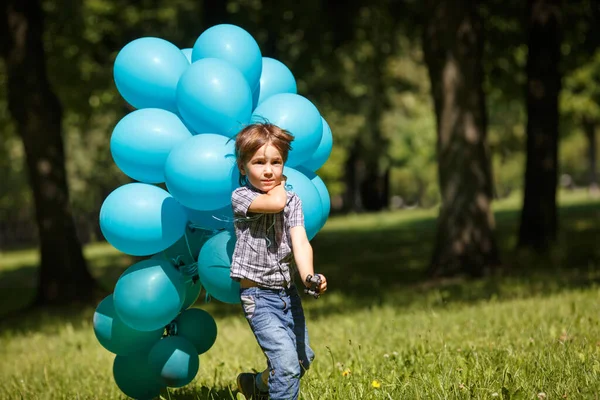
pixel 381 332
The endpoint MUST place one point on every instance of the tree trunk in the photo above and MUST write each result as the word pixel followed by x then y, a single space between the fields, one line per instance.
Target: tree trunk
pixel 453 47
pixel 370 153
pixel 538 218
pixel 63 275
pixel 354 173
pixel 375 188
pixel 590 132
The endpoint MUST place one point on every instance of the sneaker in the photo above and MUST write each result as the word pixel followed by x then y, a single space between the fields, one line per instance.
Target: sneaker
pixel 246 383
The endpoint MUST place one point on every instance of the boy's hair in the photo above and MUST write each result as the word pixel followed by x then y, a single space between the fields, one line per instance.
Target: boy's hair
pixel 256 135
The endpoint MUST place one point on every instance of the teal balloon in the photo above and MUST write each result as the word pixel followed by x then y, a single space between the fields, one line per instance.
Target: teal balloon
pixel 234 45
pixel 323 193
pixel 211 219
pixel 188 54
pixel 214 264
pixel 149 294
pixel 297 115
pixel 320 156
pixel 174 360
pixel 146 72
pixel 192 289
pixel 312 206
pixel 135 378
pixel 117 337
pixel 192 292
pixel 199 327
pixel 201 172
pixel 141 219
pixel 214 97
pixel 185 250
pixel 182 254
pixel 276 78
pixel 142 140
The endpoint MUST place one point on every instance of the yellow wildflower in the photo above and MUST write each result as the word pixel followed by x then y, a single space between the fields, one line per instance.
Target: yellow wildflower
pixel 346 372
pixel 376 384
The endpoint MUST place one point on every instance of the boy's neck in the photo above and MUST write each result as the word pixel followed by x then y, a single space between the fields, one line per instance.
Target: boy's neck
pixel 252 187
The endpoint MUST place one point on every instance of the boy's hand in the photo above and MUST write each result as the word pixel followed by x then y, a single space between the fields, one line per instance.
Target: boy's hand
pixel 323 286
pixel 315 290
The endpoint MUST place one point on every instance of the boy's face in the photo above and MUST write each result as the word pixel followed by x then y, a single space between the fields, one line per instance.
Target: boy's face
pixel 265 169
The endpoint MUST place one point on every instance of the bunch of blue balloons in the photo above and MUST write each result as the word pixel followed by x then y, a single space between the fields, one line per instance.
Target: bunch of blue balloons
pixel 190 103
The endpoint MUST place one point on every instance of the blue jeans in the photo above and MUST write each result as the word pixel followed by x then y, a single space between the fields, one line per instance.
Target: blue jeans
pixel 277 319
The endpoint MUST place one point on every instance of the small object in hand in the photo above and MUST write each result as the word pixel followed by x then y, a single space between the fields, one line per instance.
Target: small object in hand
pixel 314 283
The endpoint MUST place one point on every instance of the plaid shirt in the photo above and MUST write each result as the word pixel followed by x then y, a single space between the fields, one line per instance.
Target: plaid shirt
pixel 263 251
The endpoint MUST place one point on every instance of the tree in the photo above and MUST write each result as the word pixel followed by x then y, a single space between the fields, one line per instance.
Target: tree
pixel 538 219
pixel 453 47
pixel 64 276
pixel 368 164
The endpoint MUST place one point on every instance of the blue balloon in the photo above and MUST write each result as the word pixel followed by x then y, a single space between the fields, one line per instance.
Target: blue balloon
pixel 211 219
pixel 174 360
pixel 141 219
pixel 117 337
pixel 188 54
pixel 135 378
pixel 201 172
pixel 323 193
pixel 255 96
pixel 298 116
pixel 325 199
pixel 214 97
pixel 276 78
pixel 214 263
pixel 312 207
pixel 149 294
pixel 322 153
pixel 142 140
pixel 233 44
pixel 146 73
pixel 198 327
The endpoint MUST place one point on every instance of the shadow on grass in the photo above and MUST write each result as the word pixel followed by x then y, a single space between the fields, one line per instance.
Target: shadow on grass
pixel 382 263
pixel 200 393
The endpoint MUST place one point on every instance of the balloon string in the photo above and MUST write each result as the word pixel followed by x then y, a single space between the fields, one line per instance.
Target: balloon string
pixel 267 236
pixel 187 243
pixel 172 328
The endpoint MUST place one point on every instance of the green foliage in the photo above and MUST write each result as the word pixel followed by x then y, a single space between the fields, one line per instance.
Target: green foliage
pixel 411 130
pixel 362 66
pixel 580 96
pixel 14 187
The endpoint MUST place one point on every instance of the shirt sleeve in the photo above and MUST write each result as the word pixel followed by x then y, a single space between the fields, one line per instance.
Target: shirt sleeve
pixel 241 198
pixel 295 216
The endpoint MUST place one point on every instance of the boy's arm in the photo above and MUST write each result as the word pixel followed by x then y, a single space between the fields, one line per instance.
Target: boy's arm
pixel 303 254
pixel 271 202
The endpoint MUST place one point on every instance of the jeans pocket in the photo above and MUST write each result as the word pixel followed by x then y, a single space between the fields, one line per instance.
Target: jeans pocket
pixel 249 305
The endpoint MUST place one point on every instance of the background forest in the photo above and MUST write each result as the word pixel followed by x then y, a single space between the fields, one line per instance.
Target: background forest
pixel 363 65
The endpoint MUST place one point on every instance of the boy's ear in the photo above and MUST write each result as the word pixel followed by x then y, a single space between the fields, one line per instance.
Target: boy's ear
pixel 242 170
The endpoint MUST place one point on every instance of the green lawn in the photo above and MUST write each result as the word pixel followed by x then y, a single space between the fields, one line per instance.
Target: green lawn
pixel 382 331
